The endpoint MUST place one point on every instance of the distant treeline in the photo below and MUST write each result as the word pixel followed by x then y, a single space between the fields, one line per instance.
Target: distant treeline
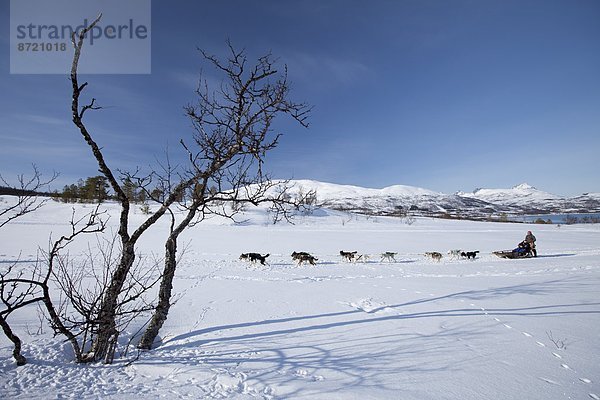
pixel 9 191
pixel 587 219
pixel 96 189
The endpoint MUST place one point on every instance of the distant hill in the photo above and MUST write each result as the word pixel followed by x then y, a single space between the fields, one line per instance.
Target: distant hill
pixel 525 198
pixel 479 204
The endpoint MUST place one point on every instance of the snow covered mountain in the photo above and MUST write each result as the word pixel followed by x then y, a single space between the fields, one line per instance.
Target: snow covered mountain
pixel 526 198
pixel 520 197
pixel 519 193
pixel 400 199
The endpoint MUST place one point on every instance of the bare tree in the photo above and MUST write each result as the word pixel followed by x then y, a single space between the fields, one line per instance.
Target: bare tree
pixel 17 288
pixel 90 223
pixel 15 293
pixel 21 287
pixel 107 332
pixel 233 131
pixel 83 281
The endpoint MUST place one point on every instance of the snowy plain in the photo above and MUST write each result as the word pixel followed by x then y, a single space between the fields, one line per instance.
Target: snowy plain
pixel 487 328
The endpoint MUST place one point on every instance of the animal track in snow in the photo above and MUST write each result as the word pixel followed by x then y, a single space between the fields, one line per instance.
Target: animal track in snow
pixel 302 373
pixel 369 306
pixel 563 365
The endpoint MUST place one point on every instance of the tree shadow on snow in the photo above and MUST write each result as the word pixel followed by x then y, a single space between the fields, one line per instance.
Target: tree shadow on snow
pixel 542 288
pixel 296 365
pixel 282 352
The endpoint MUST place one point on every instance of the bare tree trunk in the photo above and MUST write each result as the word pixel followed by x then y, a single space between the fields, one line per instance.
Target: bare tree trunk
pixel 19 358
pixel 107 328
pixel 166 285
pixel 164 295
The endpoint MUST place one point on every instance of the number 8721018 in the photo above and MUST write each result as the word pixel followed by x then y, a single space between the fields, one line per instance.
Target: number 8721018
pixel 41 46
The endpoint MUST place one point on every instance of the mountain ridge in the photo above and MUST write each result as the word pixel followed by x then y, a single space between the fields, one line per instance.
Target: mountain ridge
pixel 521 199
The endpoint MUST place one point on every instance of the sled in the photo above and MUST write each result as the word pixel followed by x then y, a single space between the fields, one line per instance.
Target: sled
pixel 511 254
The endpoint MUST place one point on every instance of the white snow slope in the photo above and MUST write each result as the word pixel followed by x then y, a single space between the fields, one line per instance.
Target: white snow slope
pixel 411 329
pixel 333 191
pixel 518 195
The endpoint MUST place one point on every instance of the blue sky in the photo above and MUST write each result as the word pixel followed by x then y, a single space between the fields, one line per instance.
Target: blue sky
pixel 445 95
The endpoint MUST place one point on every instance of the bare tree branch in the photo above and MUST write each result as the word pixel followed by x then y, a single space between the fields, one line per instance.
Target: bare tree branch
pixel 26 199
pixel 232 135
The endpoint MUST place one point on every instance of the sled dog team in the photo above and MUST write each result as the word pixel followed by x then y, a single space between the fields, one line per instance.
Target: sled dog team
pixel 303 257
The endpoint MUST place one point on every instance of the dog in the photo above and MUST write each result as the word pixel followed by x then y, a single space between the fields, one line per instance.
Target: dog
pixel 363 258
pixel 455 253
pixel 388 256
pixel 469 254
pixel 302 257
pixel 348 255
pixel 254 257
pixel 434 255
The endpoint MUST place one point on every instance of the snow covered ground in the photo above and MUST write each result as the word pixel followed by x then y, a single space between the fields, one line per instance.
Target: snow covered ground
pixel 411 329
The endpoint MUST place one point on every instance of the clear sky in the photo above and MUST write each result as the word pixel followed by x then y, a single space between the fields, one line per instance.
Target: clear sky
pixel 445 95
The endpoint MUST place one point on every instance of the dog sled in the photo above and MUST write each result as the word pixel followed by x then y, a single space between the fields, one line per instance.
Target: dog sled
pixel 523 250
